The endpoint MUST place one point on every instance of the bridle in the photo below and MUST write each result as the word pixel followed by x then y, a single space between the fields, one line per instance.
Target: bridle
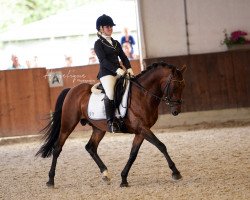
pixel 167 97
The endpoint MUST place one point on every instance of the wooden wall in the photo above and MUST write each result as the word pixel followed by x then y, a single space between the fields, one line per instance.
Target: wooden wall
pixel 26 99
pixel 213 81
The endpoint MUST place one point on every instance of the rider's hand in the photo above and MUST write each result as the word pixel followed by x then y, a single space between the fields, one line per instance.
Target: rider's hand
pixel 120 72
pixel 130 72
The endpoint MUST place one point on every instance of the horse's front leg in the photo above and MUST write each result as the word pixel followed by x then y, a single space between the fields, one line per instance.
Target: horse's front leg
pixel 149 136
pixel 92 146
pixel 138 139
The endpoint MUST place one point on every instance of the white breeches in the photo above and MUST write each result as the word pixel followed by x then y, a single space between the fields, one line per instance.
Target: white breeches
pixel 108 83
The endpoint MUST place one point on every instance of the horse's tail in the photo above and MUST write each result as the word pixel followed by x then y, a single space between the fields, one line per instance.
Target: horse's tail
pixel 52 130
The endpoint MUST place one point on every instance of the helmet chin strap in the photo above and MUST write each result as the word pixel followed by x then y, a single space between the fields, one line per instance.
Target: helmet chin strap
pixel 101 29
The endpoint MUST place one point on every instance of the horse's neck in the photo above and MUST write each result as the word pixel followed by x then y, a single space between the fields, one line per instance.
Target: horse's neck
pixel 152 82
pixel 145 100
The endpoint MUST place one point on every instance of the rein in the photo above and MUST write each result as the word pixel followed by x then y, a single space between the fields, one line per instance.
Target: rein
pixel 167 99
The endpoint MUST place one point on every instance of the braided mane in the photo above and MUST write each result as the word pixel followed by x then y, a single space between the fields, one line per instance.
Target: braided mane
pixel 154 66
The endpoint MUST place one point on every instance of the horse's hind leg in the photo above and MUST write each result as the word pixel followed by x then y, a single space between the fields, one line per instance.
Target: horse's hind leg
pixel 92 146
pixel 56 152
pixel 138 139
pixel 66 129
pixel 149 136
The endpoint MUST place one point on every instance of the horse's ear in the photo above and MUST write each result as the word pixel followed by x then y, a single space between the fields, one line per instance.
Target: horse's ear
pixel 183 69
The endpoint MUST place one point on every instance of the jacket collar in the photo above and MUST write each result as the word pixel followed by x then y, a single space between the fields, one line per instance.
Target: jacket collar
pixel 104 41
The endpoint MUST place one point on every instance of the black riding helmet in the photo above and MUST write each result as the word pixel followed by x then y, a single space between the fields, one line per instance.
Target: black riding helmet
pixel 104 20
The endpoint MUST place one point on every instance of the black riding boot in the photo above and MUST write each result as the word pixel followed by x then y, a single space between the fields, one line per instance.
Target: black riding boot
pixel 113 126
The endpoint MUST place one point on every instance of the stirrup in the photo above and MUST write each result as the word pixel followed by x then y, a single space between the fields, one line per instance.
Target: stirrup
pixel 114 127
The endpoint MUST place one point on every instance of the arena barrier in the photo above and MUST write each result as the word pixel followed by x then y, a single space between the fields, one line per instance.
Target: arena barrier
pixel 214 81
pixel 28 96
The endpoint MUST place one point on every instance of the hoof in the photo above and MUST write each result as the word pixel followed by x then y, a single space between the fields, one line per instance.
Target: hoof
pixel 176 176
pixel 105 177
pixel 124 184
pixel 50 184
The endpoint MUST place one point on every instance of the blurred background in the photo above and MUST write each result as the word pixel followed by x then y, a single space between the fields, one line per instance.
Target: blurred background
pixel 43 33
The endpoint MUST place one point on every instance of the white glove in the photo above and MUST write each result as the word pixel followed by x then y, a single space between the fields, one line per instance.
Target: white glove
pixel 130 72
pixel 120 72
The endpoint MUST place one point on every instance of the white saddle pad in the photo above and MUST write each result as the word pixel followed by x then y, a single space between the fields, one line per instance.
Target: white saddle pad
pixel 96 108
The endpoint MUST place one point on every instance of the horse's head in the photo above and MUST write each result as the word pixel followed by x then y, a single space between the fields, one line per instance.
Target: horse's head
pixel 160 89
pixel 173 89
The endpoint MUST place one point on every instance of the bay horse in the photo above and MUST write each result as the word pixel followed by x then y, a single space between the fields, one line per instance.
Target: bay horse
pixel 159 82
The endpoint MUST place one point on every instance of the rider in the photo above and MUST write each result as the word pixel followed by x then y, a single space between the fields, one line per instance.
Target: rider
pixel 108 50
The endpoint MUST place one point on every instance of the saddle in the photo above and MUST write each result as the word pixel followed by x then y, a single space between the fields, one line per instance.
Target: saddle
pixel 96 109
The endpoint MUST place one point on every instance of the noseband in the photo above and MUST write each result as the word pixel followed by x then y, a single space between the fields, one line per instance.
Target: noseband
pixel 167 97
